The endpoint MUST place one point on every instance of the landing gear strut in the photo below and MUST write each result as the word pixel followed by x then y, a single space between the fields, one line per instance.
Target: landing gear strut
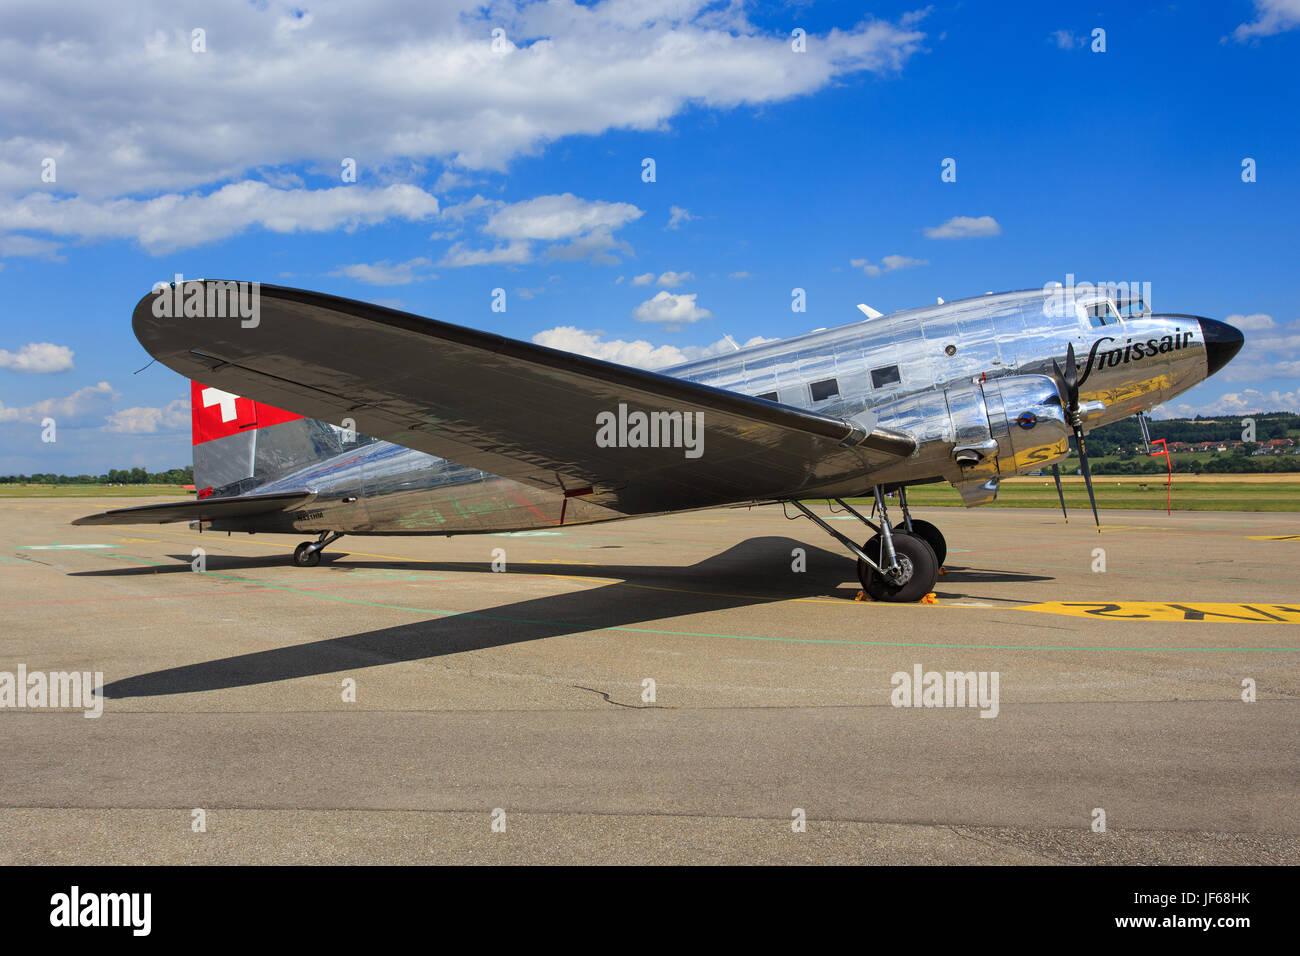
pixel 922 529
pixel 893 565
pixel 307 554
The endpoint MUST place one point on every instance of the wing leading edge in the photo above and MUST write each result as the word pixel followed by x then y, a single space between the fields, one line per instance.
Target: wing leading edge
pixel 511 408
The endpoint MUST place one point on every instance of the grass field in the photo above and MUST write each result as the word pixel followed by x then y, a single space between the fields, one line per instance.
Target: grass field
pixel 1130 493
pixel 1227 493
pixel 90 491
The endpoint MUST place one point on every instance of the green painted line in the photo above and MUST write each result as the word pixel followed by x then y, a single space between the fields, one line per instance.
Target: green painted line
pixel 733 637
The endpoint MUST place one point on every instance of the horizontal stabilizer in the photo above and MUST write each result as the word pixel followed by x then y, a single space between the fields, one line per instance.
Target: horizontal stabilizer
pixel 205 509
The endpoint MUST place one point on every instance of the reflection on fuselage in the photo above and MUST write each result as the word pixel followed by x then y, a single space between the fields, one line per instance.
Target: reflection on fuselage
pixel 966 374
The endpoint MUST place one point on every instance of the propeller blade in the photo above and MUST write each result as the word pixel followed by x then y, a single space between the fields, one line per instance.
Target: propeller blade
pixel 1072 377
pixel 1087 476
pixel 1056 475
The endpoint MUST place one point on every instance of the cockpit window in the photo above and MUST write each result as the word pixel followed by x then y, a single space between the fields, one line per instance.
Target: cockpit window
pixel 1102 312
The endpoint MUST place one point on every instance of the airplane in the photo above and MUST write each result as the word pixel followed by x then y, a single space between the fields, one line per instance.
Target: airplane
pixel 319 414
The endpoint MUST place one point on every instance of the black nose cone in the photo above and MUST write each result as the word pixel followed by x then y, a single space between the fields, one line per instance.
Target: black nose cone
pixel 1222 342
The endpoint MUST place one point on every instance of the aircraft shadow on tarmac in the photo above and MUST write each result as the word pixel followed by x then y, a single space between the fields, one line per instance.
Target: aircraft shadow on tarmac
pixel 640 596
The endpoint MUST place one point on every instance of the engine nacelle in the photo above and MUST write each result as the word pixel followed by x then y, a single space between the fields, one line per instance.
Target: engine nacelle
pixel 1002 427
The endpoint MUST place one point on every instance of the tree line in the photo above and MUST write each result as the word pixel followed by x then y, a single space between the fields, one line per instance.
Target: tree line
pixel 114 476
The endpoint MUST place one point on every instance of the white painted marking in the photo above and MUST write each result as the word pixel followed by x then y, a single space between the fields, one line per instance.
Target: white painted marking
pixel 215 396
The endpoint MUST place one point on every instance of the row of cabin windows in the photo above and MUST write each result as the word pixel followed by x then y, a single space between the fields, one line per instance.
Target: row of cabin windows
pixel 830 388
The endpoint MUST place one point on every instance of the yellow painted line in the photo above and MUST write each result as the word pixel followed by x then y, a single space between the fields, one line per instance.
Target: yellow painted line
pixel 1210 613
pixel 1273 537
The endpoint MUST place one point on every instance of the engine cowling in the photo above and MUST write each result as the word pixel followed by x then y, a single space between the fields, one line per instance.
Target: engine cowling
pixel 1002 427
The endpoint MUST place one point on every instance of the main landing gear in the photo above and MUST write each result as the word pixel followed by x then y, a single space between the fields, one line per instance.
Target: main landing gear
pixel 307 554
pixel 898 564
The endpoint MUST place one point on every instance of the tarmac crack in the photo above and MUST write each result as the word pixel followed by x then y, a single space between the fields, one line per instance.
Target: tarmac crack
pixel 618 703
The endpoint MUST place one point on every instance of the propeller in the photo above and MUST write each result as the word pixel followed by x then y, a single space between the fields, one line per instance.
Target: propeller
pixel 1056 475
pixel 1068 382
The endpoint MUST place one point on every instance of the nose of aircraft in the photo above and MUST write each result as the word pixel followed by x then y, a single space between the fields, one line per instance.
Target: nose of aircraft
pixel 1222 342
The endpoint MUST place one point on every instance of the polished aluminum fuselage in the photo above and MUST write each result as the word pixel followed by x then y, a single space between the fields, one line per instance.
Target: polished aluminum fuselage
pixel 966 372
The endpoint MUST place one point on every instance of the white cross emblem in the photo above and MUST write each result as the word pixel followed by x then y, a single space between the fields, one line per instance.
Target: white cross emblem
pixel 215 396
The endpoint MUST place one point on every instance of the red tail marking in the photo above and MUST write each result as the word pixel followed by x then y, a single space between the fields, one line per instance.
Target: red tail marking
pixel 215 413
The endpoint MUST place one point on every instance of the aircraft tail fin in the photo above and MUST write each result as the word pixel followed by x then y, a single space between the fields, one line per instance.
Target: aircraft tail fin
pixel 241 445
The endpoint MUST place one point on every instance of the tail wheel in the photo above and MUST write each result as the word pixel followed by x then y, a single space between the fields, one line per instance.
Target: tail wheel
pixel 918 569
pixel 930 535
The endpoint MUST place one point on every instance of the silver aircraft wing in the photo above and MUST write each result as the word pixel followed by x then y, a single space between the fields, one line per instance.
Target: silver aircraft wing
pixel 511 408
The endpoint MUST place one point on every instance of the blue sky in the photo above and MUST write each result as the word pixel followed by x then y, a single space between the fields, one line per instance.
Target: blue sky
pixel 521 168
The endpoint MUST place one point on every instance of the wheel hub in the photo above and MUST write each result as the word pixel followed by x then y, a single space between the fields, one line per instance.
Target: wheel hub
pixel 903 573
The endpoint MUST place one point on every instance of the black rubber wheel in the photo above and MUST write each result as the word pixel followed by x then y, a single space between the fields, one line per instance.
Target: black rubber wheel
pixel 920 570
pixel 930 535
pixel 304 556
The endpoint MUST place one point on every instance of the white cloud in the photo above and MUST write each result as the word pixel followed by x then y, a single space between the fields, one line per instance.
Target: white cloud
pixel 18 245
pixel 585 225
pixel 965 227
pixel 386 272
pixel 671 310
pixel 510 253
pixel 1233 403
pixel 638 353
pixel 169 222
pixel 1271 350
pixel 677 215
pixel 644 279
pixel 1254 322
pixel 1065 40
pixel 740 275
pixel 118 98
pixel 887 264
pixel 1271 16
pixel 470 207
pixel 558 217
pixel 38 358
pixel 598 246
pixel 86 406
pixel 143 420
pixel 671 280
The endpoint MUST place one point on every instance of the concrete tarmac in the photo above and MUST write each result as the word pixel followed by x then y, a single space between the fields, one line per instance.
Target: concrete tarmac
pixel 684 689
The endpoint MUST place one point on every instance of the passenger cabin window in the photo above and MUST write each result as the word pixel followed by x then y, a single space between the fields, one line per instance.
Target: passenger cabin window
pixel 824 390
pixel 767 396
pixel 1102 313
pixel 884 377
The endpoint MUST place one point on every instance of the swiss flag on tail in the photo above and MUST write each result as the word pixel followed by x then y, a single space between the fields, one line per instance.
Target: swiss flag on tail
pixel 216 414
